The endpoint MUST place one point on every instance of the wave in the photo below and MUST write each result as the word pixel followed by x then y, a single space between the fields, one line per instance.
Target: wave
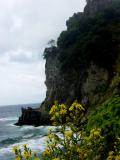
pixel 28 136
pixel 10 141
pixel 25 127
pixel 26 133
pixel 9 119
pixel 34 137
pixel 35 144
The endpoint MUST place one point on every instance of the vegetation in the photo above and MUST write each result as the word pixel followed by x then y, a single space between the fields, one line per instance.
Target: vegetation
pixel 89 39
pixel 106 117
pixel 73 142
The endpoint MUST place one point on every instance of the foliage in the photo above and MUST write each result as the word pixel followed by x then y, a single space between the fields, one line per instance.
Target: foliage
pixel 90 39
pixel 51 43
pixel 106 117
pixel 115 82
pixel 50 51
pixel 26 155
pixel 115 155
pixel 72 141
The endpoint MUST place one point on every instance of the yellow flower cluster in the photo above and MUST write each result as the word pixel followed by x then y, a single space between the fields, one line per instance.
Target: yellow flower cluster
pixel 76 106
pixel 115 155
pixel 57 112
pixel 15 148
pixel 26 155
pixel 47 152
pixel 96 132
pixel 17 158
pixel 53 109
pixel 68 134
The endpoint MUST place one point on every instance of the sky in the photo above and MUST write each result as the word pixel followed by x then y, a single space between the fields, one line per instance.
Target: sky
pixel 26 26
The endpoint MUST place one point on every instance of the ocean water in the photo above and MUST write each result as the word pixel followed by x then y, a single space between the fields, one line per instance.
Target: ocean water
pixel 11 135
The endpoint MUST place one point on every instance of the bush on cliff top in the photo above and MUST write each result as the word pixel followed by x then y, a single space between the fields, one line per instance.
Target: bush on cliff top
pixel 89 39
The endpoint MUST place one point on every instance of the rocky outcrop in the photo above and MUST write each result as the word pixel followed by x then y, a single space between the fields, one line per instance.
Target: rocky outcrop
pixel 33 117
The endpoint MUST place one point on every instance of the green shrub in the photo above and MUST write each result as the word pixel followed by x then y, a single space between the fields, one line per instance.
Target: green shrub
pixel 107 118
pixel 106 115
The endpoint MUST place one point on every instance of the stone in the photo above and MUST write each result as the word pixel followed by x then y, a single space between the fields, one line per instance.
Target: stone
pixel 33 117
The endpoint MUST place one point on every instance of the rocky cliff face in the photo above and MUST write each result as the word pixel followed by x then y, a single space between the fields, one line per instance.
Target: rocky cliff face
pixel 60 87
pixel 86 84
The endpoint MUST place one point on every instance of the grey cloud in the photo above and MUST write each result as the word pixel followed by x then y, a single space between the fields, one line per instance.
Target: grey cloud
pixel 22 56
pixel 25 28
pixel 30 24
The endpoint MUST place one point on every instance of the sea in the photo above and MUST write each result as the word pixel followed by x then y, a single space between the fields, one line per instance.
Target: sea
pixel 11 135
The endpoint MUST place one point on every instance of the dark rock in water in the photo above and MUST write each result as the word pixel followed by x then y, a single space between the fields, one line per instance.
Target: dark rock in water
pixel 33 117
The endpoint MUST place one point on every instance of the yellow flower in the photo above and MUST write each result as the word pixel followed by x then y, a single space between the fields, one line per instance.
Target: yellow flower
pixel 15 148
pixel 25 145
pixel 96 133
pixel 117 157
pixel 110 157
pixel 52 118
pixel 63 111
pixel 57 114
pixel 78 150
pixel 36 158
pixel 71 108
pixel 68 134
pixel 47 152
pixel 27 155
pixel 62 106
pixel 111 153
pixel 50 136
pixel 53 109
pixel 17 158
pixel 76 106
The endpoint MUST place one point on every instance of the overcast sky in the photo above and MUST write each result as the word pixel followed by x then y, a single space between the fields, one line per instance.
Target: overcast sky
pixel 25 28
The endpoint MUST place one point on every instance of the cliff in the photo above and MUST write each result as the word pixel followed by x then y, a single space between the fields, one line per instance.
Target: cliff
pixel 85 64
